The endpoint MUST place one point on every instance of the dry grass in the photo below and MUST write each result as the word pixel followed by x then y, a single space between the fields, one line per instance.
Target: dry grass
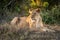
pixel 9 32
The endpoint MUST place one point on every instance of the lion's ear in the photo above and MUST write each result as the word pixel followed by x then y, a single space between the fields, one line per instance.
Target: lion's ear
pixel 38 10
pixel 30 10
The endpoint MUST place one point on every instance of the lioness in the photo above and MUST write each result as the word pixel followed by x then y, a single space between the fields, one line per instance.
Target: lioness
pixel 35 20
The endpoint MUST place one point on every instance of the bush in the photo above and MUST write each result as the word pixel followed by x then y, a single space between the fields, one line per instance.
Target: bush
pixel 51 16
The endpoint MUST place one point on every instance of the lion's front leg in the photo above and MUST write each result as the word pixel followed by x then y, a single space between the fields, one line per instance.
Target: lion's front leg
pixel 30 25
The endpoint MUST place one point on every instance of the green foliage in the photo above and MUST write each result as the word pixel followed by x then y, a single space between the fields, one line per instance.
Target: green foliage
pixel 51 16
pixel 45 4
pixel 47 18
pixel 17 8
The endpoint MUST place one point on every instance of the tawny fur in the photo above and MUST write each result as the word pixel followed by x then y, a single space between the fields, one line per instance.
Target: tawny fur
pixel 33 20
pixel 14 21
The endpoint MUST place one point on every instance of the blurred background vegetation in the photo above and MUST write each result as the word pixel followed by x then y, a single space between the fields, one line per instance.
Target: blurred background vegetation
pixel 50 9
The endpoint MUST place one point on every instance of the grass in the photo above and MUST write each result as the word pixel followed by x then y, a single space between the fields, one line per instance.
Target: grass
pixel 9 32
